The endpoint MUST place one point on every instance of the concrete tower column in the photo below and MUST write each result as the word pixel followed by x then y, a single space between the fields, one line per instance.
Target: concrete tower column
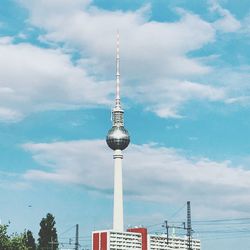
pixel 118 192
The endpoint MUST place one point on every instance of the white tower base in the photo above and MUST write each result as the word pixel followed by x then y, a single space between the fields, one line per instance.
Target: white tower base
pixel 118 192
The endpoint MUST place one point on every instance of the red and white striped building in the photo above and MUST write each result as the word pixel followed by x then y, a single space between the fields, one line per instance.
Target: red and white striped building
pixel 135 239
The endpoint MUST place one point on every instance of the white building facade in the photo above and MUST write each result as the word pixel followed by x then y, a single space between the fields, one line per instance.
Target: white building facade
pixel 162 242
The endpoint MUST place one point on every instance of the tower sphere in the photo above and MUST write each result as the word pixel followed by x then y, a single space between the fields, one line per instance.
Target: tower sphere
pixel 118 138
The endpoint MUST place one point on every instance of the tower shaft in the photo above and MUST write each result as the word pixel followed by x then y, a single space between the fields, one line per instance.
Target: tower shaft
pixel 118 192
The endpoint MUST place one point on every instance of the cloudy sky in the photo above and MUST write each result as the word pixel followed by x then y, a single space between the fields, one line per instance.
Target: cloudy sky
pixel 185 68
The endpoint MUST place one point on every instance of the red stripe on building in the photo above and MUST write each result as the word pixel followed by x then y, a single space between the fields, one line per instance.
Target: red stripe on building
pixel 104 241
pixel 96 241
pixel 144 236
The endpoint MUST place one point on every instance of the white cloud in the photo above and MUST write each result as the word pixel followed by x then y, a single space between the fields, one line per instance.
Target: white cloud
pixel 156 70
pixel 175 93
pixel 227 23
pixel 6 39
pixel 154 54
pixel 12 181
pixel 8 115
pixel 160 46
pixel 34 79
pixel 246 25
pixel 235 84
pixel 150 173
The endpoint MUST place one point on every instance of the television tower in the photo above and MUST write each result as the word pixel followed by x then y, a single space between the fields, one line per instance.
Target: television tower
pixel 118 139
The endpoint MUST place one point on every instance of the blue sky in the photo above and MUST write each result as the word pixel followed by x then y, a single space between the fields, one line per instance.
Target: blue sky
pixel 186 94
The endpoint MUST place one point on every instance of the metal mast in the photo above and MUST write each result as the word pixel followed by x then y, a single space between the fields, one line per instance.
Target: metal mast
pixel 77 237
pixel 189 226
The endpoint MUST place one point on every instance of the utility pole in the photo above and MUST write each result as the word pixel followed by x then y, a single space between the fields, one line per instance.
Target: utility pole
pixel 189 226
pixel 167 228
pixel 77 237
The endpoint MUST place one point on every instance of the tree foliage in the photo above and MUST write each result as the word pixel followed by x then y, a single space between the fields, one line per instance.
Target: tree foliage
pixel 30 241
pixel 4 238
pixel 17 242
pixel 47 235
pixel 13 242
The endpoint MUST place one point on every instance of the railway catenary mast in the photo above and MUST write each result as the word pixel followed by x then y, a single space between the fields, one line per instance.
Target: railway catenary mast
pixel 189 226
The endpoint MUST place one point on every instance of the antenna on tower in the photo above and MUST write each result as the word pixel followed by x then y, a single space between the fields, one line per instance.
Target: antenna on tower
pixel 117 98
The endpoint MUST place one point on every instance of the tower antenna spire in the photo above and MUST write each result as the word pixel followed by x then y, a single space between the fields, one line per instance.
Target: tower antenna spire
pixel 117 98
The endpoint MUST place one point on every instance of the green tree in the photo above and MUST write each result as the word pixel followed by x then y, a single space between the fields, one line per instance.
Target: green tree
pixel 13 242
pixel 47 235
pixel 4 238
pixel 30 241
pixel 17 242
